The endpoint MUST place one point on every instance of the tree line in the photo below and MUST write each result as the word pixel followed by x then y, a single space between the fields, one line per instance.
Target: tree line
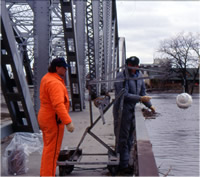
pixel 180 53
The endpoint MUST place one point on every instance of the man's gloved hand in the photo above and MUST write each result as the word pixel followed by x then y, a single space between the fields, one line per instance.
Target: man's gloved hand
pixel 70 127
pixel 145 99
pixel 153 109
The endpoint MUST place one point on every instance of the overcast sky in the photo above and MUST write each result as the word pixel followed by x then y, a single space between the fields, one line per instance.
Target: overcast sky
pixel 145 23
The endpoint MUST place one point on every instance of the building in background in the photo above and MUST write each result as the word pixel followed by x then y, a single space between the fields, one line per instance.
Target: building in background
pixel 169 80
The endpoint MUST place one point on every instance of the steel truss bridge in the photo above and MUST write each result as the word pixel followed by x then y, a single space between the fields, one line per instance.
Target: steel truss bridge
pixel 85 32
pixel 34 32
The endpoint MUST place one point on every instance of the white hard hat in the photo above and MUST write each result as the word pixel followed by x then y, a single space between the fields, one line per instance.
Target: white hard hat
pixel 183 100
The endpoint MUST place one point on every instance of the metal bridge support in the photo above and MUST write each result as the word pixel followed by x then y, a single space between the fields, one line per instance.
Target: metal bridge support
pixel 107 18
pixel 101 21
pixel 71 50
pixel 13 81
pixel 91 47
pixel 93 10
pixel 41 45
pixel 102 43
pixel 24 53
pixel 21 17
pixel 115 43
pixel 80 41
pixel 122 51
pixel 110 31
pixel 101 48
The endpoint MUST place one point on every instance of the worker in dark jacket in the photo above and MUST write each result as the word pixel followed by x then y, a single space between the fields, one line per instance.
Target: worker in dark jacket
pixel 134 93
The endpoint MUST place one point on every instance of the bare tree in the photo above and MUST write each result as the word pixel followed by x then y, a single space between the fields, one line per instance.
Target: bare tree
pixel 183 52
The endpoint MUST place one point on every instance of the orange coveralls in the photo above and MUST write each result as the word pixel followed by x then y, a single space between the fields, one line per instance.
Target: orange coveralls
pixel 54 100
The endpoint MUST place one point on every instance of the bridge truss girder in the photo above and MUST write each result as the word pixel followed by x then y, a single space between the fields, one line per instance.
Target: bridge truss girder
pixel 13 82
pixel 71 50
pixel 44 39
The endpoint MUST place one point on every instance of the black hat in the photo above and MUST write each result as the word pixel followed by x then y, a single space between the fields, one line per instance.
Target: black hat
pixel 59 62
pixel 134 61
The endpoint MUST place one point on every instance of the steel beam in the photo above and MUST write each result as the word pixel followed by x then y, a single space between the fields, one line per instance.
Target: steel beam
pixel 95 14
pixel 21 16
pixel 25 57
pixel 13 82
pixel 107 18
pixel 122 51
pixel 41 45
pixel 91 48
pixel 6 130
pixel 115 41
pixel 57 43
pixel 113 53
pixel 80 41
pixel 101 48
pixel 71 50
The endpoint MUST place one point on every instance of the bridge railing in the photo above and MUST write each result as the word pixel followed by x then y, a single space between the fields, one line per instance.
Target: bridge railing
pixel 145 164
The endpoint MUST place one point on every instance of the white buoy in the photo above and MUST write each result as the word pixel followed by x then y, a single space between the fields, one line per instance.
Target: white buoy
pixel 184 100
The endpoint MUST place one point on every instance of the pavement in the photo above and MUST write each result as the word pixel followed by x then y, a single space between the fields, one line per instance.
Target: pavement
pixel 81 121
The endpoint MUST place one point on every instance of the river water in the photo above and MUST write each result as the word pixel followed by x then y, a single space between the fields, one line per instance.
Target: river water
pixel 174 135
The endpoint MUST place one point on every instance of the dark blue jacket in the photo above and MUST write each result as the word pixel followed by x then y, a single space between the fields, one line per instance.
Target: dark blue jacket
pixel 134 89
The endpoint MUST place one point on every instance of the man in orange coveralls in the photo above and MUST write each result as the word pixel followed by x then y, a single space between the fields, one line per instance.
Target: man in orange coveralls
pixel 53 114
